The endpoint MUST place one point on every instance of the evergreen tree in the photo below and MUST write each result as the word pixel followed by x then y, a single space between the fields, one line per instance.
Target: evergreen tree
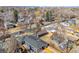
pixel 16 15
pixel 48 16
pixel 1 10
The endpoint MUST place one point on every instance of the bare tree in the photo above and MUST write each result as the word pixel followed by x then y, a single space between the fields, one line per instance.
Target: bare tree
pixel 10 44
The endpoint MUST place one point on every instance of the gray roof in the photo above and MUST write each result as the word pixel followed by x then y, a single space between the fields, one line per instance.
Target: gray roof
pixel 34 42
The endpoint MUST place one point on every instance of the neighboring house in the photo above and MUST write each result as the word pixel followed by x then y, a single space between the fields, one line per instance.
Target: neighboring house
pixel 1 47
pixel 62 42
pixel 50 28
pixel 9 25
pixel 72 21
pixel 65 24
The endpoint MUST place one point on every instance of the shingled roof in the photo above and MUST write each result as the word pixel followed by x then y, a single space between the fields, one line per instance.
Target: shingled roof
pixel 35 42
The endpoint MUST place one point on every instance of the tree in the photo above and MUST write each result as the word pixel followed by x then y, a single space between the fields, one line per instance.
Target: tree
pixel 1 10
pixel 16 15
pixel 1 24
pixel 48 16
pixel 10 44
pixel 38 29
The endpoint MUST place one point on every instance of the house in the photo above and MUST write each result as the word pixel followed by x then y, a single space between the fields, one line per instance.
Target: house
pixel 72 21
pixel 35 44
pixel 50 28
pixel 1 47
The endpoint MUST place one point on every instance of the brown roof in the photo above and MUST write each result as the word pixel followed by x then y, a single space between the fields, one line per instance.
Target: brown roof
pixel 43 32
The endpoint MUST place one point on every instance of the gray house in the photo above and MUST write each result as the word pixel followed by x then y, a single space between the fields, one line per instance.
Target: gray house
pixel 35 44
